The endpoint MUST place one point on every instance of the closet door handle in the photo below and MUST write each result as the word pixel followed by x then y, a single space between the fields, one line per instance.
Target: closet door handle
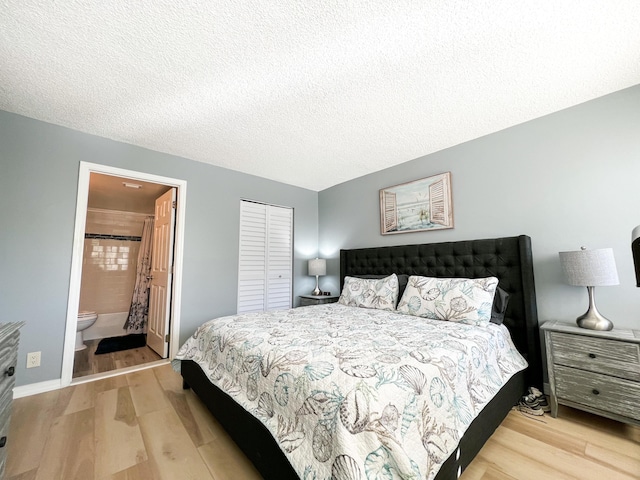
pixel 595 391
pixel 3 441
pixel 592 355
pixel 9 372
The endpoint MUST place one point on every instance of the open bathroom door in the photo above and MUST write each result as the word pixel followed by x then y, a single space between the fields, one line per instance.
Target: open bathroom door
pixel 161 274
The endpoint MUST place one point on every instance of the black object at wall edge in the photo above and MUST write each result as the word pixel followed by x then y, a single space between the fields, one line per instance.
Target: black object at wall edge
pixel 635 249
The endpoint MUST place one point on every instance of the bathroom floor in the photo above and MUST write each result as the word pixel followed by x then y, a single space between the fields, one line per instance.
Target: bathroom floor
pixel 85 361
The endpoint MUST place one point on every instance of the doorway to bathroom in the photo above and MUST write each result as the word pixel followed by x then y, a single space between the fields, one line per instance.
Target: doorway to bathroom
pixel 124 294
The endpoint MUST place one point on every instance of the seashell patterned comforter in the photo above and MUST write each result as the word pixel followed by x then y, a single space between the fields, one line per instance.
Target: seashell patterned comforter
pixel 355 393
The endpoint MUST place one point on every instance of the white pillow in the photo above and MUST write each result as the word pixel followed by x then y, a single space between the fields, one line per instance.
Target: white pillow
pixel 463 300
pixel 381 294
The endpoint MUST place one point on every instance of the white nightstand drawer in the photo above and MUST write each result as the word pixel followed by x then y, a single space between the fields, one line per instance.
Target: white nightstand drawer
pixel 599 391
pixel 610 357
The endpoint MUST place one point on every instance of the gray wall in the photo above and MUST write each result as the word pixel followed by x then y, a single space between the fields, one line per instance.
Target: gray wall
pixel 568 179
pixel 39 165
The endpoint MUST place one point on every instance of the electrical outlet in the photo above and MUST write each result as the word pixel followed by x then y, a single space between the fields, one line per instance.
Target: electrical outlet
pixel 33 359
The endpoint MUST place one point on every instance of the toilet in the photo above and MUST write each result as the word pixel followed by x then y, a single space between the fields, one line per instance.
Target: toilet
pixel 85 320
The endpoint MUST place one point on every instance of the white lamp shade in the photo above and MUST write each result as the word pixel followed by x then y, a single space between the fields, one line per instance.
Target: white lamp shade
pixel 318 266
pixel 590 268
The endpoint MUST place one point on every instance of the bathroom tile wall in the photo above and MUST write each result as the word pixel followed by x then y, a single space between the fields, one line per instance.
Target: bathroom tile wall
pixel 111 245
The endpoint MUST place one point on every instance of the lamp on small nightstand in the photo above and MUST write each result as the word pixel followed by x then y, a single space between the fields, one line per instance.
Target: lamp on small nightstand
pixel 317 267
pixel 590 268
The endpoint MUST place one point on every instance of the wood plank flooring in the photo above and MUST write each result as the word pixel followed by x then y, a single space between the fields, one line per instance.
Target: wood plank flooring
pixel 86 362
pixel 143 426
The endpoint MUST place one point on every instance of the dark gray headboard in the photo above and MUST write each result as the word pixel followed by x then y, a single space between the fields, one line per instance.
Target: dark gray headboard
pixel 509 259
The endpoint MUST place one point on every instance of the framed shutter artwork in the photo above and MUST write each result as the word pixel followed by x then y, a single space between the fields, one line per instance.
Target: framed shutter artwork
pixel 417 206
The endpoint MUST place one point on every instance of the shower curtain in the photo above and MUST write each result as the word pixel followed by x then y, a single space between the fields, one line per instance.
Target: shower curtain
pixel 139 310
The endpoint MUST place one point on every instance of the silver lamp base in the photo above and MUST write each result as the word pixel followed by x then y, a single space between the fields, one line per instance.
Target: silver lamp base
pixel 317 290
pixel 593 320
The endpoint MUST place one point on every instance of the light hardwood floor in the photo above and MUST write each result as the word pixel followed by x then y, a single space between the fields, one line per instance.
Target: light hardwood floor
pixel 86 362
pixel 143 426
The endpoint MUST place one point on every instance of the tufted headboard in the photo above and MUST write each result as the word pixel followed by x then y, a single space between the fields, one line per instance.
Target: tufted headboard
pixel 509 259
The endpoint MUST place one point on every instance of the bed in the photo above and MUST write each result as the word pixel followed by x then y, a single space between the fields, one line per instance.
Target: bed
pixel 508 259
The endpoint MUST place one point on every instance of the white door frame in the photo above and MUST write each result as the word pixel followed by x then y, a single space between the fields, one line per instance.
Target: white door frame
pixel 86 169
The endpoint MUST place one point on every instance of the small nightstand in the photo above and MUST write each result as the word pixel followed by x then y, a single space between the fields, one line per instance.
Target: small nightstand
pixel 9 336
pixel 595 371
pixel 306 300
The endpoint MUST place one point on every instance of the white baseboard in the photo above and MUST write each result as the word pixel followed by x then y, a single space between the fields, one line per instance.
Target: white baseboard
pixel 49 385
pixel 35 388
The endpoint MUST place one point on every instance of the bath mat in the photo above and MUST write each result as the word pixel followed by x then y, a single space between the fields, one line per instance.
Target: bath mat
pixel 125 342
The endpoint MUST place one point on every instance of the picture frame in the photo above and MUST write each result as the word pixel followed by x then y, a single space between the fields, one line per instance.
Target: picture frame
pixel 418 206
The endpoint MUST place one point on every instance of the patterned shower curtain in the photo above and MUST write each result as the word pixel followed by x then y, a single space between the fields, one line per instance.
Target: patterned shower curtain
pixel 139 310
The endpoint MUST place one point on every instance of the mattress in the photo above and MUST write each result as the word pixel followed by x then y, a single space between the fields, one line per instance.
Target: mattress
pixel 352 392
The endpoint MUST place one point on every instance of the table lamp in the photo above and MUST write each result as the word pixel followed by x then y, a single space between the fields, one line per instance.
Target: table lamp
pixel 317 267
pixel 590 268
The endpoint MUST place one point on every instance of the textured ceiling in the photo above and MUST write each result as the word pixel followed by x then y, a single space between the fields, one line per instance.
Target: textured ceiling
pixel 311 93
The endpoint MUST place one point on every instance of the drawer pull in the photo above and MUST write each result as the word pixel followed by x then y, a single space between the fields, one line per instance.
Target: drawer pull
pixel 595 392
pixel 3 441
pixel 592 355
pixel 10 371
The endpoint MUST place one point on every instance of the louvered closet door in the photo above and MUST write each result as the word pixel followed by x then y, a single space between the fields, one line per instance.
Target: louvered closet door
pixel 252 269
pixel 279 242
pixel 265 263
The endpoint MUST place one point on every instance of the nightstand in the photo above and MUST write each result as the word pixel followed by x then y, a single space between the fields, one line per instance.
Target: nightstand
pixel 9 336
pixel 595 371
pixel 306 300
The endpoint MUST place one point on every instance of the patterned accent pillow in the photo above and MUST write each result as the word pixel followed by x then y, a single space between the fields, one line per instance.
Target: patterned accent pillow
pixel 463 300
pixel 381 294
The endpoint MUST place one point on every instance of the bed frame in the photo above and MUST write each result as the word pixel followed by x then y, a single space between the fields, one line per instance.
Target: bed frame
pixel 509 259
